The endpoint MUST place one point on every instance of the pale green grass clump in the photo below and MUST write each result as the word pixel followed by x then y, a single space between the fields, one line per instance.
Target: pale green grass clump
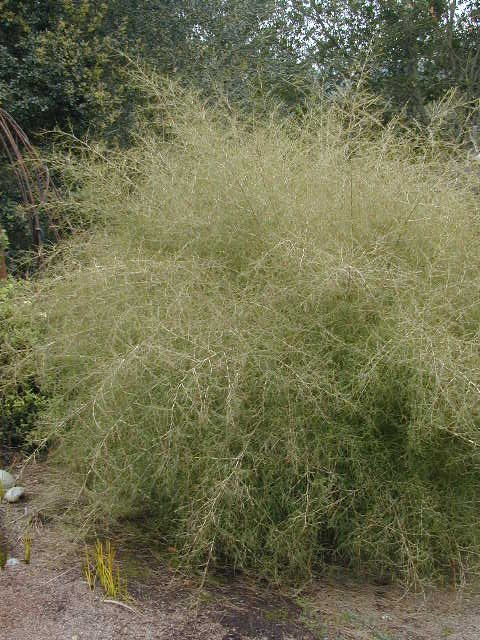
pixel 267 351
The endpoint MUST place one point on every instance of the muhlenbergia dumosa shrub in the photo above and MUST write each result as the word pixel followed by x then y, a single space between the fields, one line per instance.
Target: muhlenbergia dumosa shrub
pixel 267 350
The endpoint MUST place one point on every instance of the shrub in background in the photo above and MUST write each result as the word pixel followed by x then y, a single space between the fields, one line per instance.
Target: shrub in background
pixel 20 397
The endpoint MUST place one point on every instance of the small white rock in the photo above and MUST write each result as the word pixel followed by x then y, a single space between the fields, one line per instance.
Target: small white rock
pixel 12 562
pixel 14 494
pixel 7 480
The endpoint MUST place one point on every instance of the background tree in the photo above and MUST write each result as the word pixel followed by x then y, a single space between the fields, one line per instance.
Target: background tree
pixel 246 48
pixel 413 52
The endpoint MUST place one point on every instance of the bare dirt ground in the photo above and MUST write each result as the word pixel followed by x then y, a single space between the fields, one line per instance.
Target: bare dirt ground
pixel 49 599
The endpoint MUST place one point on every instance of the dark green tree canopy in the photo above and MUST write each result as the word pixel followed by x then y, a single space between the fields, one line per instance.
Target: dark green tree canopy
pixel 60 62
pixel 412 52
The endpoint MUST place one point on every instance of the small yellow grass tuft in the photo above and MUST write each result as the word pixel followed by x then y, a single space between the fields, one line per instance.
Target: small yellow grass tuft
pixel 101 566
pixel 27 544
pixel 88 570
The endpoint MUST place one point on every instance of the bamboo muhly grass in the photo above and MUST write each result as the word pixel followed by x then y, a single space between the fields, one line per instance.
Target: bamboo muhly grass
pixel 266 351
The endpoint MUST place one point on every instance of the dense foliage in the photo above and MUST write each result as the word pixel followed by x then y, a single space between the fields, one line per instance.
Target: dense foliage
pixel 54 63
pixel 20 397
